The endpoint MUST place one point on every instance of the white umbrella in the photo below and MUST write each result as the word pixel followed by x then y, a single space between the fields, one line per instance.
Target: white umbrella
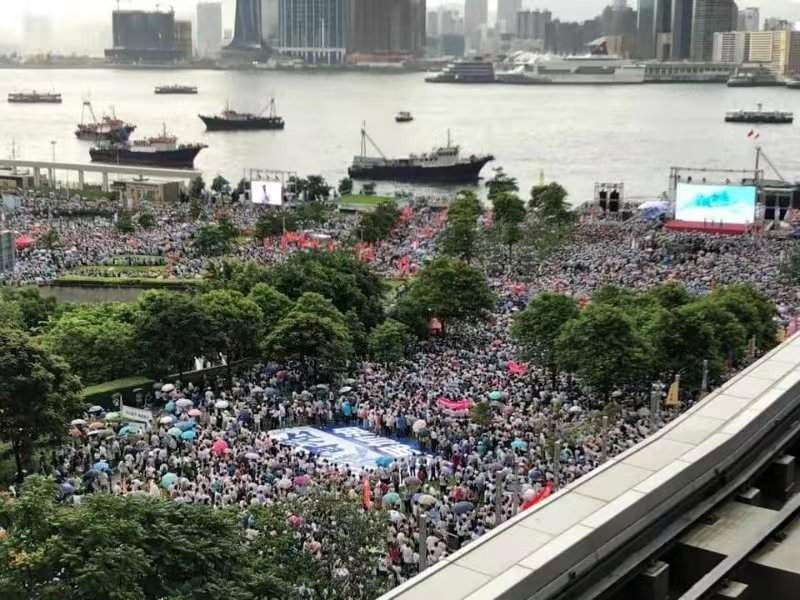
pixel 426 500
pixel 221 404
pixel 650 204
pixel 78 422
pixel 419 426
pixel 184 403
pixel 251 456
pixel 345 390
pixel 166 420
pixel 167 388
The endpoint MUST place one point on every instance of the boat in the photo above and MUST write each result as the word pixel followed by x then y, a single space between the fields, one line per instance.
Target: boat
pixel 443 165
pixel 403 117
pixel 35 97
pixel 759 78
pixel 108 128
pixel 759 116
pixel 160 151
pixel 464 71
pixel 792 83
pixel 530 69
pixel 231 120
pixel 176 89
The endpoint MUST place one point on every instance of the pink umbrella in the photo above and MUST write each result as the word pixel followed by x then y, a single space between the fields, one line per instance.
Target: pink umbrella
pixel 219 446
pixel 296 521
pixel 195 412
pixel 302 480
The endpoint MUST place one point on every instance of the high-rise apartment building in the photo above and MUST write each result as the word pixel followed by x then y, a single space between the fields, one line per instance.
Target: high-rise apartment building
pixel 731 47
pixel 710 17
pixel 247 25
pixel 646 26
pixel 314 30
pixel 209 29
pixel 775 24
pixel 534 24
pixel 183 39
pixel 749 19
pixel 270 22
pixel 662 29
pixel 145 37
pixel 388 27
pixel 476 15
pixel 778 51
pixel 507 15
pixel 682 13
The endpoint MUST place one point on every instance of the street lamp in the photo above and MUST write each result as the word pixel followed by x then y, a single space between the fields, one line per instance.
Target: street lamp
pixel 53 144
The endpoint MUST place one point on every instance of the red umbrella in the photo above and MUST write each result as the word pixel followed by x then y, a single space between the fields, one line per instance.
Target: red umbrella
pixel 23 242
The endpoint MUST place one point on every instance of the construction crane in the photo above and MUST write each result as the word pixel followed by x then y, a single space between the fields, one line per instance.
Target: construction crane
pixel 760 154
pixel 364 138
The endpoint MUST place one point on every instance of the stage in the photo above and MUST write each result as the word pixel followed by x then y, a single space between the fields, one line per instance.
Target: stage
pixel 708 227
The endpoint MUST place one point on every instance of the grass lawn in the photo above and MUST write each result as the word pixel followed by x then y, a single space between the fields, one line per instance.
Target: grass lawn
pixel 113 386
pixel 155 270
pixel 78 280
pixel 361 200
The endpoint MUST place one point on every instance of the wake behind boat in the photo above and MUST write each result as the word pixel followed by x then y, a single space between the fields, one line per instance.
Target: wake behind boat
pixel 160 151
pixel 443 165
pixel 231 120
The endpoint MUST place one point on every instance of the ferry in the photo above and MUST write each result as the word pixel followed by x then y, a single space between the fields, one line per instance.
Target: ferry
pixel 34 97
pixel 529 69
pixel 403 117
pixel 759 115
pixel 760 78
pixel 176 89
pixel 464 71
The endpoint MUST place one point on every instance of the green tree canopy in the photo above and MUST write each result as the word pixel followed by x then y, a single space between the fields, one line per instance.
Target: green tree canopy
pixel 501 183
pixel 273 304
pixel 460 236
pixel 345 186
pixel 536 329
pixel 196 187
pixel 234 323
pixel 388 341
pixel 378 224
pixel 215 239
pixel 219 184
pixel 275 223
pixel 754 311
pixel 38 396
pixel 670 295
pixel 451 291
pixel 235 275
pixel 146 220
pixel 549 203
pixel 508 208
pixel 317 188
pixel 314 340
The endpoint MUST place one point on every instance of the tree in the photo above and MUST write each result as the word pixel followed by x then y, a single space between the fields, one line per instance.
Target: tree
pixel 466 202
pixel 388 341
pixel 49 240
pixel 219 184
pixel 368 189
pixel 195 210
pixel 124 223
pixel 451 291
pixel 508 208
pixel 274 224
pixel 34 310
pixel 378 224
pixel 38 396
pixel 460 237
pixel 345 186
pixel 273 304
pixel 196 187
pixel 235 275
pixel 213 240
pixel 408 312
pixel 297 186
pixel 316 341
pixel 603 348
pixel 171 331
pixel 790 266
pixel 10 315
pixel 481 414
pixel 549 203
pixel 754 311
pixel 146 220
pixel 501 183
pixel 536 329
pixel 97 340
pixel 671 295
pixel 234 324
pixel 317 188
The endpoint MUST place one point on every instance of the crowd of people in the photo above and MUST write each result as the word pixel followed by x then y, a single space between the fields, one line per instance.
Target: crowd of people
pixel 209 443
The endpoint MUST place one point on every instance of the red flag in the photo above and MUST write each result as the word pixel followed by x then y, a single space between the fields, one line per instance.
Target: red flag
pixel 367 494
pixel 546 491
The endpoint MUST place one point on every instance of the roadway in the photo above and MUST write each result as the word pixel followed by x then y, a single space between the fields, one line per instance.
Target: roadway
pixel 594 533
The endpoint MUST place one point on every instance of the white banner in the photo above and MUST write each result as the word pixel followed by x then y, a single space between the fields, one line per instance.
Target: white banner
pixel 140 415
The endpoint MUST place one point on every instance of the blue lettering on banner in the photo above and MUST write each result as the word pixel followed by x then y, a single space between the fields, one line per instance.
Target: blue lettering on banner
pixel 354 446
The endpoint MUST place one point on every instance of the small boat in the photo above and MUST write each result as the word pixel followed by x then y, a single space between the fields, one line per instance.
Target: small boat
pixel 792 84
pixel 35 97
pixel 403 117
pixel 759 116
pixel 231 120
pixel 176 89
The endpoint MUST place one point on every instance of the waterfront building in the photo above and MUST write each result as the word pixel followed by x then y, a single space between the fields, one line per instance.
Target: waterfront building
pixel 646 15
pixel 388 27
pixel 710 17
pixel 778 51
pixel 749 19
pixel 507 15
pixel 682 11
pixel 141 36
pixel 209 29
pixel 38 33
pixel 775 24
pixel 662 29
pixel 731 47
pixel 314 30
pixel 270 22
pixel 476 15
pixel 183 39
pixel 432 26
pixel 247 25
pixel 534 24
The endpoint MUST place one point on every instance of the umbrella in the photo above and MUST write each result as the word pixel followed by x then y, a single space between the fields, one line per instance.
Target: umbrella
pixel 168 479
pixel 302 480
pixel 496 395
pixel 95 410
pixel 184 403
pixel 185 425
pixel 345 390
pixel 426 500
pixel 166 420
pixel 460 508
pixel 175 432
pixel 219 446
pixel 321 386
pixel 221 404
pixel 189 435
pixel 349 381
pixel 114 416
pixel 169 406
pixel 391 498
pixel 195 412
pixel 394 516
pixel 519 445
pixel 67 488
pixel 296 521
pixel 418 426
pixel 167 388
pixel 252 456
pixel 412 482
pixel 97 425
pixel 100 465
pixel 78 422
pixel 101 433
pixel 124 430
pixel 384 461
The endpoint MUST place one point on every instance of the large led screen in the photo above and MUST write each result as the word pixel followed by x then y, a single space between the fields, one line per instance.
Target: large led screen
pixel 266 192
pixel 725 203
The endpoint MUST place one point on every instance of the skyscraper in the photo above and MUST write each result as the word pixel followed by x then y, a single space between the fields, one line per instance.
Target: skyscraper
pixel 476 14
pixel 315 30
pixel 711 16
pixel 749 19
pixel 209 29
pixel 682 11
pixel 646 43
pixel 662 32
pixel 507 15
pixel 247 28
pixel 270 21
pixel 388 27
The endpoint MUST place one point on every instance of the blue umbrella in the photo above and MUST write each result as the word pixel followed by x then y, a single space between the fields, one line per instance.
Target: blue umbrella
pixel 67 488
pixel 125 430
pixel 100 465
pixel 168 479
pixel 519 445
pixel 460 508
pixel 384 461
pixel 174 432
pixel 185 425
pixel 189 435
pixel 170 406
pixel 96 410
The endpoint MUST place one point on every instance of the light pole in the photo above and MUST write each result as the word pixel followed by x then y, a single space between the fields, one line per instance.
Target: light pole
pixel 53 144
